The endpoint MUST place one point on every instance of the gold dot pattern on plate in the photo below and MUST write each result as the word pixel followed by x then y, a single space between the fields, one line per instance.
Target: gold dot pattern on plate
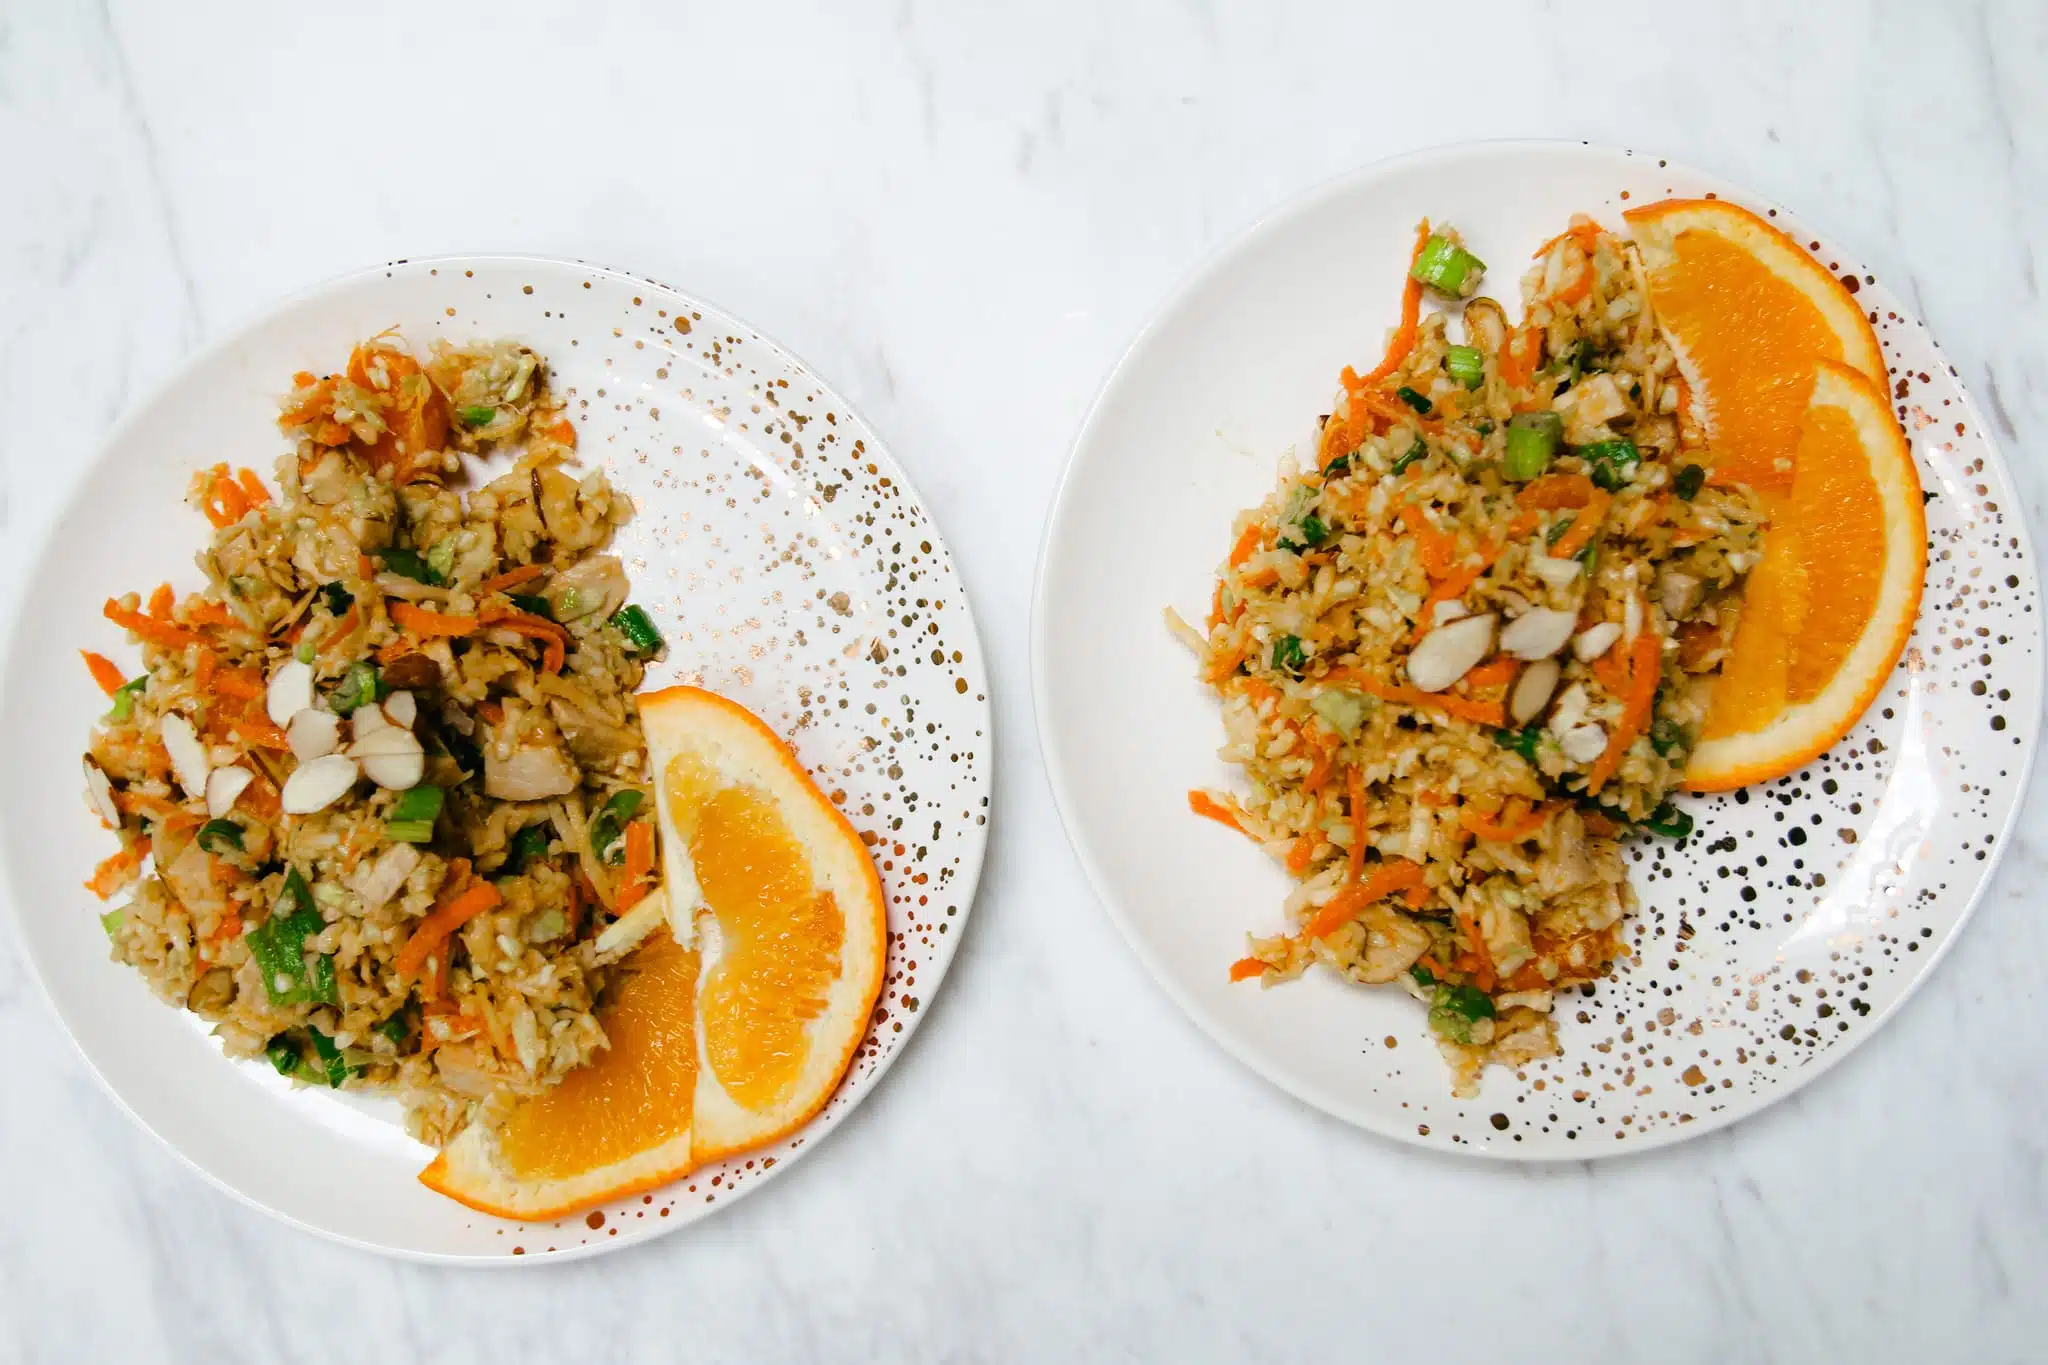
pixel 1800 911
pixel 791 568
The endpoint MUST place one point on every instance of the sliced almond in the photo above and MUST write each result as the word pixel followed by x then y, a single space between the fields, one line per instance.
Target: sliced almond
pixel 391 757
pixel 317 785
pixel 313 734
pixel 224 787
pixel 291 691
pixel 366 720
pixel 1538 633
pixel 1583 743
pixel 1449 652
pixel 1533 689
pixel 1558 573
pixel 188 755
pixel 401 710
pixel 1590 643
pixel 99 794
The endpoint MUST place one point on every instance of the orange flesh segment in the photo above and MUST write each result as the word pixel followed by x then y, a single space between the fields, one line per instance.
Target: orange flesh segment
pixel 781 942
pixel 639 1092
pixel 1751 338
pixel 1815 589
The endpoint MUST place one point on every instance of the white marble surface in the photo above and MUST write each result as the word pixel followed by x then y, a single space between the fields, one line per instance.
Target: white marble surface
pixel 960 213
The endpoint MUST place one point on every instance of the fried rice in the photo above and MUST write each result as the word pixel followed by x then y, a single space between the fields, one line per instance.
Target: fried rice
pixel 376 785
pixel 1463 655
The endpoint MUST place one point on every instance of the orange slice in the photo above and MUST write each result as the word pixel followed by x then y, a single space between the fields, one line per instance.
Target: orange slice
pixel 731 1038
pixel 1829 607
pixel 1747 311
pixel 616 1126
pixel 795 934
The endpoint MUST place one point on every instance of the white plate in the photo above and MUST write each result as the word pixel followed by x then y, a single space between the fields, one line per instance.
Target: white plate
pixel 1861 867
pixel 780 549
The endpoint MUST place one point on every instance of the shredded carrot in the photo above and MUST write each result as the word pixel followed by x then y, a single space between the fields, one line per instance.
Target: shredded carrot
pixel 132 802
pixel 1498 671
pixel 1587 235
pixel 561 429
pixel 1403 340
pixel 202 672
pixel 1437 551
pixel 1435 800
pixel 1302 853
pixel 1580 286
pixel 1611 669
pixel 155 631
pixel 397 649
pixel 1201 803
pixel 635 879
pixel 1642 695
pixel 1261 578
pixel 1247 544
pixel 1520 356
pixel 238 682
pixel 1481 712
pixel 510 579
pixel 554 639
pixel 1319 768
pixel 198 611
pixel 1514 824
pixel 1391 876
pixel 445 919
pixel 1416 896
pixel 1354 787
pixel 1554 491
pixel 114 873
pixel 344 629
pixel 1481 960
pixel 420 621
pixel 1431 965
pixel 253 489
pixel 259 733
pixel 161 601
pixel 1245 968
pixel 225 502
pixel 1584 526
pixel 105 671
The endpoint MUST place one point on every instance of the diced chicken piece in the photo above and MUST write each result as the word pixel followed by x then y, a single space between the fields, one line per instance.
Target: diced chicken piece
pixel 535 771
pixel 1393 943
pixel 1589 406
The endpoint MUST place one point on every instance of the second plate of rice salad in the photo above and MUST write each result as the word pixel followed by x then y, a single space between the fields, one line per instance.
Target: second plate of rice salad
pixel 1440 648
pixel 380 785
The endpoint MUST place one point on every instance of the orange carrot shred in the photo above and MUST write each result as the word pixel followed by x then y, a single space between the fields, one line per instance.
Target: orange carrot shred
pixel 252 488
pixel 635 878
pixel 1403 340
pixel 1302 853
pixel 420 621
pixel 149 628
pixel 510 579
pixel 1498 671
pixel 1354 787
pixel 105 671
pixel 1584 525
pixel 1245 968
pixel 1247 544
pixel 443 921
pixel 1201 803
pixel 1644 675
pixel 1391 876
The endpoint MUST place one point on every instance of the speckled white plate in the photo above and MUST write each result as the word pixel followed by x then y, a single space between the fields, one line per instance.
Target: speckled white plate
pixel 779 547
pixel 1776 938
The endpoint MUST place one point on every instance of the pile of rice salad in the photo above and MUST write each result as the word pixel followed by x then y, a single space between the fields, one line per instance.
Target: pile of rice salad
pixel 381 787
pixel 1467 652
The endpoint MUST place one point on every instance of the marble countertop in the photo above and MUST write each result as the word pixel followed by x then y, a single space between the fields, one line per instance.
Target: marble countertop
pixel 960 215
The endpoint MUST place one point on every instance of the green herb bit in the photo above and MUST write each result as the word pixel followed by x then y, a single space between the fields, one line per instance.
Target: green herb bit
pixel 124 697
pixel 1414 400
pixel 279 947
pixel 1668 822
pixel 408 564
pixel 608 829
pixel 1413 453
pixel 334 1069
pixel 1337 468
pixel 1667 736
pixel 476 416
pixel 1689 481
pixel 1312 533
pixel 532 606
pixel 418 803
pixel 1288 655
pixel 305 652
pixel 1422 975
pixel 441 559
pixel 637 626
pixel 1456 1009
pixel 337 598
pixel 215 834
pixel 1466 365
pixel 112 922
pixel 1522 741
pixel 283 1052
pixel 1444 265
pixel 1532 441
pixel 1556 532
pixel 1611 461
pixel 1590 557
pixel 530 844
pixel 395 1028
pixel 358 687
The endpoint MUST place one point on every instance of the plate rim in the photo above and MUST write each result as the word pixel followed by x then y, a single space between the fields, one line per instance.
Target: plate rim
pixel 1201 273
pixel 974 858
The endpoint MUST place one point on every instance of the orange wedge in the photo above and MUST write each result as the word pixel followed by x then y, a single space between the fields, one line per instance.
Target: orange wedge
pixel 732 1037
pixel 1747 311
pixel 1828 609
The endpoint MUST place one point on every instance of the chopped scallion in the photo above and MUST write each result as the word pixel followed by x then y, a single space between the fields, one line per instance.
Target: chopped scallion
pixel 358 687
pixel 532 606
pixel 1414 400
pixel 408 564
pixel 124 698
pixel 1611 461
pixel 476 416
pixel 215 836
pixel 1446 266
pixel 1532 441
pixel 1689 481
pixel 1288 655
pixel 1669 822
pixel 337 598
pixel 608 829
pixel 441 559
pixel 1466 365
pixel 637 626
pixel 1413 453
